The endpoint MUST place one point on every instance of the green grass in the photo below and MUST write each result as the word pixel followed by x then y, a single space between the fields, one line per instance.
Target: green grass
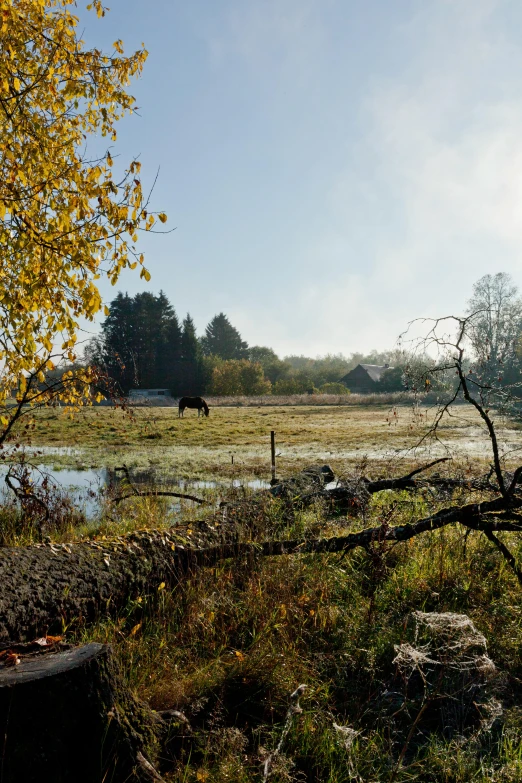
pixel 231 643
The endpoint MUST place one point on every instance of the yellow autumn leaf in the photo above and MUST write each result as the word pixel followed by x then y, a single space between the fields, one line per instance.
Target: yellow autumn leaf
pixel 58 207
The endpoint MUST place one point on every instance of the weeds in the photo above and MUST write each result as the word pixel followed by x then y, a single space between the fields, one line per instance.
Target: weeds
pixel 229 644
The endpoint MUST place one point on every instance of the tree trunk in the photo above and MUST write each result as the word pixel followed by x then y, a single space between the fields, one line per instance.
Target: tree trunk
pixel 48 586
pixel 66 716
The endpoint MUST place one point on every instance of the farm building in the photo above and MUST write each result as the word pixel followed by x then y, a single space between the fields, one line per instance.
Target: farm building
pixel 149 393
pixel 365 378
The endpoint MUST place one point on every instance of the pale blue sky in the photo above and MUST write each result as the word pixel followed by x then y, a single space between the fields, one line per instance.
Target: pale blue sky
pixel 334 168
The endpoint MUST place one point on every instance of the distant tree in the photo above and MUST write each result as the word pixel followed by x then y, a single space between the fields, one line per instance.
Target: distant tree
pixel 190 347
pixel 167 344
pixel 253 379
pixel 223 340
pixel 238 377
pixel 192 372
pixel 495 326
pixel 393 380
pixel 140 344
pixel 262 354
pixel 226 379
pixel 116 349
pixel 300 383
pixel 158 340
pixel 273 368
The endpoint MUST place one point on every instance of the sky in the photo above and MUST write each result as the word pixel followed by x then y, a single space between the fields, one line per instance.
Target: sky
pixel 333 168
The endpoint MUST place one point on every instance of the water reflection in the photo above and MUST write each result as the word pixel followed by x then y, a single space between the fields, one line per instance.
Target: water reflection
pixel 87 487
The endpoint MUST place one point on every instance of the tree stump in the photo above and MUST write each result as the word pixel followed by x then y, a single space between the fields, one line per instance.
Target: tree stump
pixel 67 716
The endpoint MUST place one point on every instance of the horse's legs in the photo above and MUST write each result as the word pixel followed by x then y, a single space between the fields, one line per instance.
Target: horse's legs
pixel 199 411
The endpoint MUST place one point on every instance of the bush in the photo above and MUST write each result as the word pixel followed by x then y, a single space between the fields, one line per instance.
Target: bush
pixel 333 388
pixel 238 377
pixel 296 384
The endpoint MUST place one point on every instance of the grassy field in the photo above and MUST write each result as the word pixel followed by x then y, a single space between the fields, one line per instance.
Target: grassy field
pixel 204 447
pixel 231 643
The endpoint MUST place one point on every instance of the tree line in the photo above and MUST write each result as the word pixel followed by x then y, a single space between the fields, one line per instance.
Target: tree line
pixel 143 344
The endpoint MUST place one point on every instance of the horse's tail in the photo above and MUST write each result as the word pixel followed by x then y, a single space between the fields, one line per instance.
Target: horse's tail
pixel 205 406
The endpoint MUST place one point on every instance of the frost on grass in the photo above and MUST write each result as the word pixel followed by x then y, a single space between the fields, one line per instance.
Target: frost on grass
pixel 448 674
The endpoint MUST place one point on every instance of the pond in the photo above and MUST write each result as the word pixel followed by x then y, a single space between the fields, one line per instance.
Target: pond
pixel 85 487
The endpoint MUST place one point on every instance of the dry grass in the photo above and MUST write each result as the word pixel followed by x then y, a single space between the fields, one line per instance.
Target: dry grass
pixel 229 644
pixel 204 447
pixel 270 400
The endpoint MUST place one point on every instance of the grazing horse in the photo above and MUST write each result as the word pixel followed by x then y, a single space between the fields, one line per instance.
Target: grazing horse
pixel 192 402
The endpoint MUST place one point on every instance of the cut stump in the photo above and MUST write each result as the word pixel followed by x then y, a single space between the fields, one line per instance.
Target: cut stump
pixel 67 716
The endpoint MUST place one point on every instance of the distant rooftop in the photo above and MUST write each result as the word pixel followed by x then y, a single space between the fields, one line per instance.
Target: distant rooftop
pixel 375 371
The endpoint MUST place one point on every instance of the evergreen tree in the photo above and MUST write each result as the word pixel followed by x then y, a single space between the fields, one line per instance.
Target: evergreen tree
pixel 147 315
pixel 190 347
pixel 223 340
pixel 168 344
pixel 116 350
pixel 141 342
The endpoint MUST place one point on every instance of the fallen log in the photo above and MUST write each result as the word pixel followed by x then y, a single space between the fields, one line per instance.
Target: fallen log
pixel 67 716
pixel 352 495
pixel 46 587
pixel 156 493
pixel 311 479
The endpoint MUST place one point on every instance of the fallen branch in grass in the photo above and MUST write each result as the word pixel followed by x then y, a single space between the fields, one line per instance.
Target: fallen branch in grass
pixel 353 494
pixel 48 586
pixel 157 493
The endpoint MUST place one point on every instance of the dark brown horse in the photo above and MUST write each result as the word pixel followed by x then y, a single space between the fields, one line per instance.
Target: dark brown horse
pixel 192 402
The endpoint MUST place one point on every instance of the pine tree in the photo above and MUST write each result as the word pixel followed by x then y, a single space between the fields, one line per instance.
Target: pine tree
pixel 191 371
pixel 116 351
pixel 223 340
pixel 190 347
pixel 168 344
pixel 141 342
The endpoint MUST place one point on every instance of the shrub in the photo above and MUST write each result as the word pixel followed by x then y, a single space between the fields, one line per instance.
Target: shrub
pixel 333 388
pixel 238 377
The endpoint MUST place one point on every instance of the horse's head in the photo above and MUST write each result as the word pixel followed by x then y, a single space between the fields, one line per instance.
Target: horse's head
pixel 206 411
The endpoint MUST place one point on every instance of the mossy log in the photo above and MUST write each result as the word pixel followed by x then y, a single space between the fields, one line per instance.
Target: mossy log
pixel 46 587
pixel 67 716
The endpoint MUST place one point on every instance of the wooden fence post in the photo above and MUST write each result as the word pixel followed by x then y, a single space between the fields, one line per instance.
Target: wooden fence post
pixel 272 449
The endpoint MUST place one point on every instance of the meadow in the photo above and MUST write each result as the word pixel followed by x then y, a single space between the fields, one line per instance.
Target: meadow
pixel 192 447
pixel 229 645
